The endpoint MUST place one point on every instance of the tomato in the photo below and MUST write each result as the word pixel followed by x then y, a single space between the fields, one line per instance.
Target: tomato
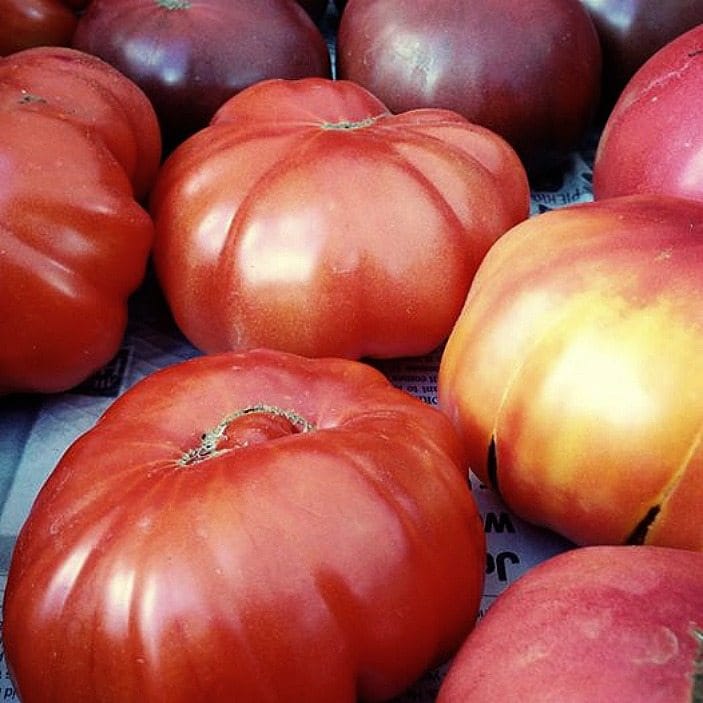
pixel 80 144
pixel 630 32
pixel 575 371
pixel 529 71
pixel 28 23
pixel 189 56
pixel 594 624
pixel 653 139
pixel 308 218
pixel 247 527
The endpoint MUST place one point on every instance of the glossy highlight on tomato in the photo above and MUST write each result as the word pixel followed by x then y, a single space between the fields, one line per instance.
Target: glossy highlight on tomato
pixel 247 527
pixel 308 218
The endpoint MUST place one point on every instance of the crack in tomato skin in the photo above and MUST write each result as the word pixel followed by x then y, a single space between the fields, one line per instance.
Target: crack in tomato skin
pixel 289 422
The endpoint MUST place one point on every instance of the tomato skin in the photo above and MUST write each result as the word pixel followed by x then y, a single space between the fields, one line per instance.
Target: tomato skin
pixel 80 145
pixel 308 218
pixel 192 58
pixel 631 32
pixel 28 23
pixel 653 139
pixel 574 371
pixel 139 578
pixel 528 71
pixel 618 624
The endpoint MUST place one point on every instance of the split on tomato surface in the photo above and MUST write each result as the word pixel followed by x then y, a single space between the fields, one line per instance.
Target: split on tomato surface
pixel 80 148
pixel 574 371
pixel 310 219
pixel 247 527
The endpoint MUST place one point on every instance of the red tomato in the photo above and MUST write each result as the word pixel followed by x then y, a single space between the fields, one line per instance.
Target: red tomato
pixel 575 371
pixel 189 56
pixel 530 71
pixel 79 143
pixel 594 624
pixel 28 23
pixel 308 218
pixel 653 139
pixel 247 527
pixel 631 31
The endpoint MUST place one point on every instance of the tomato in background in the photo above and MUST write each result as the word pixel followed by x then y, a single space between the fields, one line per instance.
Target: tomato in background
pixel 631 31
pixel 28 23
pixel 653 139
pixel 80 145
pixel 189 56
pixel 575 371
pixel 594 624
pixel 529 71
pixel 308 218
pixel 247 527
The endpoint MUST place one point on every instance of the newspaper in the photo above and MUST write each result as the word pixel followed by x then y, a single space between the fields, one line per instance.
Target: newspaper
pixel 35 431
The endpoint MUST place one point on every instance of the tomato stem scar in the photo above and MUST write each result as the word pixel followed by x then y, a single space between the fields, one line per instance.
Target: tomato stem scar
pixel 346 125
pixel 210 440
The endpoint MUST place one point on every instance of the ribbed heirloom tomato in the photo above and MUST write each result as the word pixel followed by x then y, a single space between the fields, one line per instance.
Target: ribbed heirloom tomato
pixel 251 527
pixel 80 145
pixel 575 371
pixel 310 219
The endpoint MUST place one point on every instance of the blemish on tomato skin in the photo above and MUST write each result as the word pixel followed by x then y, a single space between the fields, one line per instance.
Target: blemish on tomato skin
pixel 697 691
pixel 664 254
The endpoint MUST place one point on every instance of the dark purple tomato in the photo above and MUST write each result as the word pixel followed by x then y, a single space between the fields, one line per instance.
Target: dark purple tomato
pixel 529 71
pixel 632 30
pixel 189 56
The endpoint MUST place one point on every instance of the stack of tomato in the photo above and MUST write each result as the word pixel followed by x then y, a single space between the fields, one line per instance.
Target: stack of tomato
pixel 318 184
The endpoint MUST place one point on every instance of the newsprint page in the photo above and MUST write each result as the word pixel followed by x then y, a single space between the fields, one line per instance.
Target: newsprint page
pixel 35 431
